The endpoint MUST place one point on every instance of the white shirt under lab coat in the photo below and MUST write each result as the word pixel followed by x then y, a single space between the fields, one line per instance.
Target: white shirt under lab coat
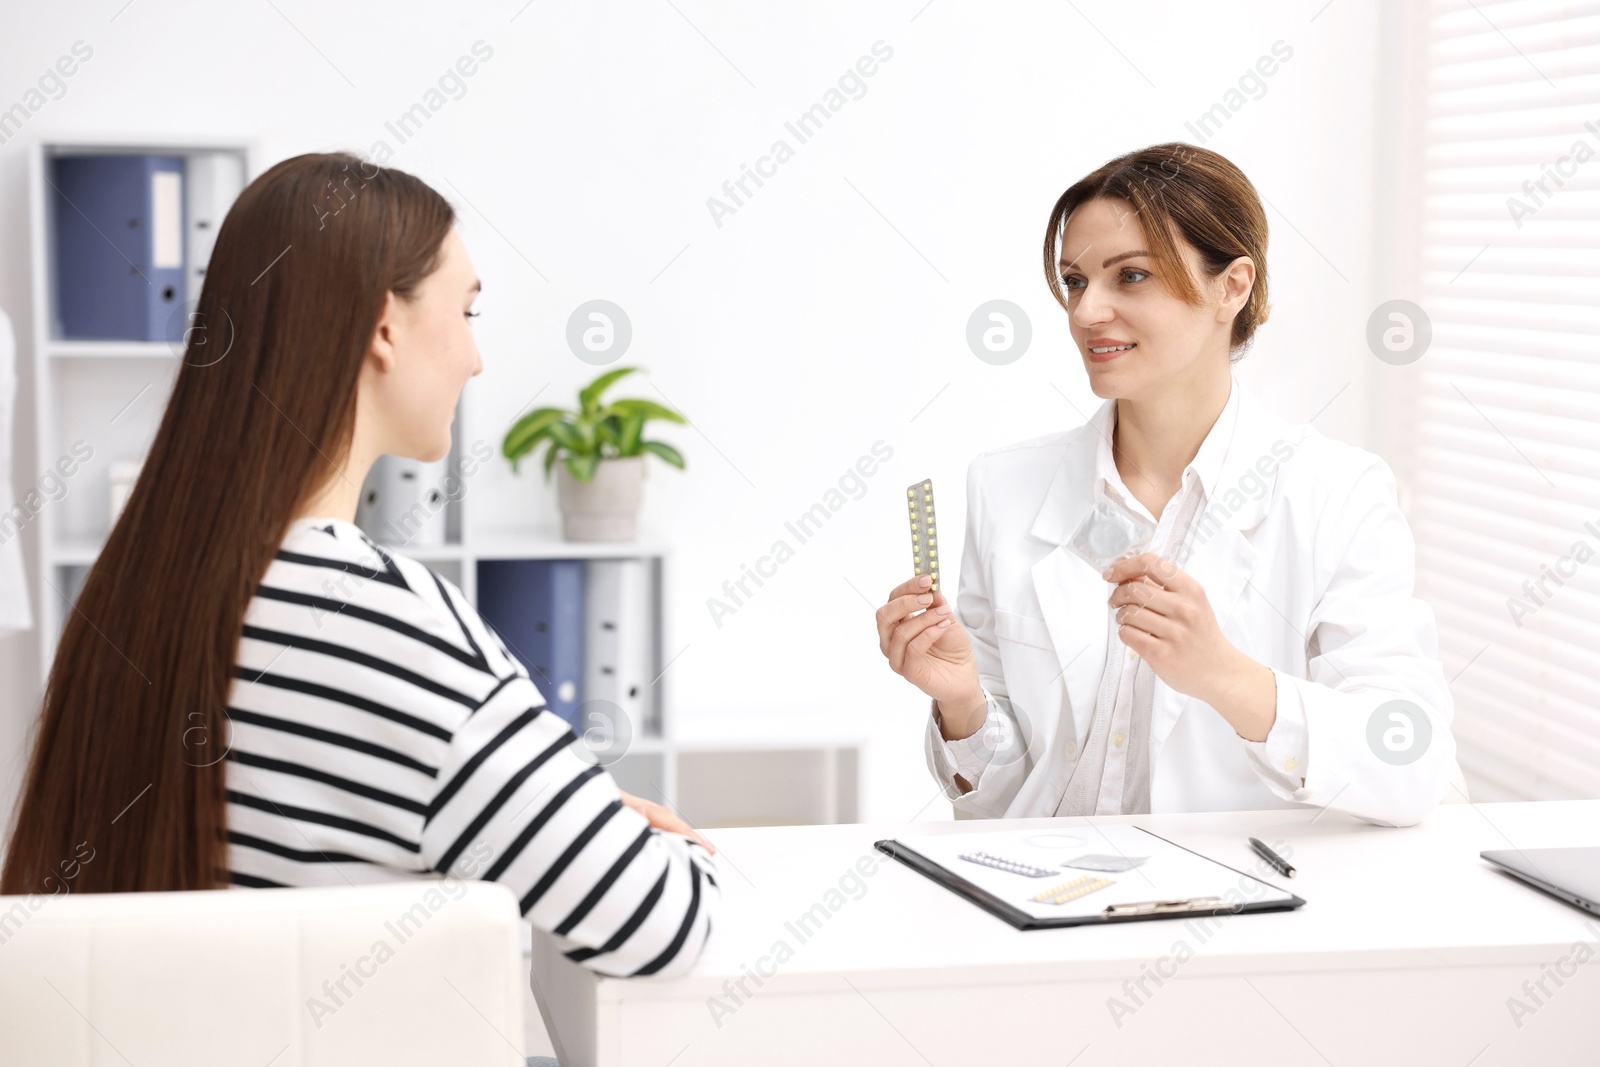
pixel 1308 564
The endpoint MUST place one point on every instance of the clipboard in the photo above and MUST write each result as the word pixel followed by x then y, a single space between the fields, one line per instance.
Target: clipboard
pixel 1169 881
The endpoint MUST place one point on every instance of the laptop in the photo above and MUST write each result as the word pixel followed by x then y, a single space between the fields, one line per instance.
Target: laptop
pixel 1573 874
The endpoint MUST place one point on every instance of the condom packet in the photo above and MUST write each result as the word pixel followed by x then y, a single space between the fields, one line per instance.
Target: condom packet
pixel 1109 532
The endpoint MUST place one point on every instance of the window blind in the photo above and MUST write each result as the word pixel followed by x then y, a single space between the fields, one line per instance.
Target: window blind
pixel 1506 470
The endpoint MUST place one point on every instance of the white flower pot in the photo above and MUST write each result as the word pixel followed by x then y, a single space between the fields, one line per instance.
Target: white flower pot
pixel 605 508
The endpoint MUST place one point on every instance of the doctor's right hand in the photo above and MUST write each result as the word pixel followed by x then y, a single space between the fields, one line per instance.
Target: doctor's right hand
pixel 919 634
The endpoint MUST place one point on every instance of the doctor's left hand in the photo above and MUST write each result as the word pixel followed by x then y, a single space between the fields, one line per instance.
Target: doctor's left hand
pixel 1163 614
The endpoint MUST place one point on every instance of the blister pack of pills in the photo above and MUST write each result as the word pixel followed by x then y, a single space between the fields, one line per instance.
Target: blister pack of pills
pixel 1109 532
pixel 1002 863
pixel 924 531
pixel 1070 891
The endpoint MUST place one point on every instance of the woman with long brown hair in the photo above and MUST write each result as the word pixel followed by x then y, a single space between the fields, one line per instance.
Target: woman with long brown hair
pixel 249 692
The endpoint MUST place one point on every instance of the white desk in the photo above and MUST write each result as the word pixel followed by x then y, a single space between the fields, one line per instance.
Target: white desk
pixel 1409 950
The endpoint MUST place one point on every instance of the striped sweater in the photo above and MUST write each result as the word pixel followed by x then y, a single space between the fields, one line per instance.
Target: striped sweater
pixel 379 730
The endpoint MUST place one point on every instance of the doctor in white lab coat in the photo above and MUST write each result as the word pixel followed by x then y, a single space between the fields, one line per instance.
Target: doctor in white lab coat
pixel 1266 652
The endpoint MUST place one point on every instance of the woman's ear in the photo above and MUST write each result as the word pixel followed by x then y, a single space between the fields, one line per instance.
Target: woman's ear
pixel 381 349
pixel 1238 280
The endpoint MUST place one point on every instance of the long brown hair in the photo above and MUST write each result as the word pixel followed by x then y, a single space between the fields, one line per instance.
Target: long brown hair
pixel 1178 190
pixel 134 723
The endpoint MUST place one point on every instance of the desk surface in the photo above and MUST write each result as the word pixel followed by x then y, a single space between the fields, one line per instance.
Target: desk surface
pixel 1376 897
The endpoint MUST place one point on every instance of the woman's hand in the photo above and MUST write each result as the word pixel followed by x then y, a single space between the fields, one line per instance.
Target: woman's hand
pixel 663 818
pixel 924 644
pixel 1163 614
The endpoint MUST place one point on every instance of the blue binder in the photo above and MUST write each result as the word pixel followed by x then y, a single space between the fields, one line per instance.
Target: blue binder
pixel 536 605
pixel 119 247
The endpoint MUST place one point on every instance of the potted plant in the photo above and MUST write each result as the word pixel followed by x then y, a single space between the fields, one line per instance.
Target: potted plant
pixel 602 448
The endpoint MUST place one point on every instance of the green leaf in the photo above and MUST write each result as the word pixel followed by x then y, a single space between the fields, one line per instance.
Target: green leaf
pixel 582 467
pixel 588 435
pixel 550 455
pixel 589 398
pixel 665 451
pixel 566 435
pixel 628 437
pixel 648 408
pixel 528 430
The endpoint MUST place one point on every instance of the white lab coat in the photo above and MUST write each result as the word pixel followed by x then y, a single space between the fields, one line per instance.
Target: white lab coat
pixel 1308 564
pixel 16 611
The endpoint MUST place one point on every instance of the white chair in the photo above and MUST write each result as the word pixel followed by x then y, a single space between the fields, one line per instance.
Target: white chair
pixel 398 974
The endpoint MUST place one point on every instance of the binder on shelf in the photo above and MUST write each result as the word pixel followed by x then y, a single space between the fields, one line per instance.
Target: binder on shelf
pixel 124 475
pixel 215 180
pixel 536 606
pixel 403 503
pixel 119 247
pixel 619 639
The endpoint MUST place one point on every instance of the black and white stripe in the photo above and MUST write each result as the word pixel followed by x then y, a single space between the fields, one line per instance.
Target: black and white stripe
pixel 381 731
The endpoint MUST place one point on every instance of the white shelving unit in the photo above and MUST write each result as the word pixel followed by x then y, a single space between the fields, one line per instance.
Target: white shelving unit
pixel 111 394
pixel 107 394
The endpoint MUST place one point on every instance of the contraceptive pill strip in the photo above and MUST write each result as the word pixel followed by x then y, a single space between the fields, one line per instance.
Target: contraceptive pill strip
pixel 1078 887
pixel 924 531
pixel 1001 863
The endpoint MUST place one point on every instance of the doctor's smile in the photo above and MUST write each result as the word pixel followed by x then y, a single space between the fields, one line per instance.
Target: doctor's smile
pixel 1261 606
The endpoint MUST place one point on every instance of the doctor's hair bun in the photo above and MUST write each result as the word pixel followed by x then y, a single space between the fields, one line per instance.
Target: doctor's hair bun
pixel 1178 192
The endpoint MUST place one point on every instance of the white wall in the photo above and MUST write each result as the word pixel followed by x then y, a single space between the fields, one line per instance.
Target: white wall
pixel 827 314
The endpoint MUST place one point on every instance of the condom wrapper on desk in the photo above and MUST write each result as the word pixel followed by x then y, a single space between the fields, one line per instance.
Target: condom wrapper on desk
pixel 1110 531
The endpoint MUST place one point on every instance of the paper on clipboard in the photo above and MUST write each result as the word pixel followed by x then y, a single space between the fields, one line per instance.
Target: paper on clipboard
pixel 1169 872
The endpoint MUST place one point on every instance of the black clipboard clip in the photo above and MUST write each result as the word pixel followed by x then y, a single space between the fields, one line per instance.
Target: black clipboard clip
pixel 1165 907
